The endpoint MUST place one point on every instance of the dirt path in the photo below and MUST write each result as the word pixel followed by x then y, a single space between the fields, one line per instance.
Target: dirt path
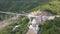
pixel 7 22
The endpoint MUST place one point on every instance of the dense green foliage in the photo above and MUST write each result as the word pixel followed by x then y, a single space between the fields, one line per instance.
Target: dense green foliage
pixel 20 6
pixel 51 27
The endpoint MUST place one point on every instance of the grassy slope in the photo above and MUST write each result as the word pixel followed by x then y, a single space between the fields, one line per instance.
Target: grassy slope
pixel 53 7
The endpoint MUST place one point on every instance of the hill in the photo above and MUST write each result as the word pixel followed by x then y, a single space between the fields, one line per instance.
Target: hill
pixel 26 6
pixel 20 6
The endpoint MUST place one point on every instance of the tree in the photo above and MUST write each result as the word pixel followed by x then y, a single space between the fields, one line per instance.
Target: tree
pixel 51 27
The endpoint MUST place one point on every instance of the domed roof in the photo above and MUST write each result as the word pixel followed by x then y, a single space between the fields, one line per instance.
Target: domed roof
pixel 34 21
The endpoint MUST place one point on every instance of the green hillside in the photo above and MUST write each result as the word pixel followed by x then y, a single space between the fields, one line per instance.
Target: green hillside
pixel 20 6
